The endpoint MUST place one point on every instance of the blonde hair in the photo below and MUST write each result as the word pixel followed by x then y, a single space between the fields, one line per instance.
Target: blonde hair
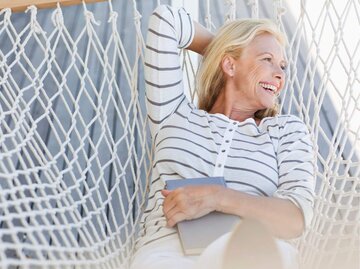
pixel 230 41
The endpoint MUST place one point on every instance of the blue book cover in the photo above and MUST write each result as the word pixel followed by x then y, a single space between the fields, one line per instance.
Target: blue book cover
pixel 172 184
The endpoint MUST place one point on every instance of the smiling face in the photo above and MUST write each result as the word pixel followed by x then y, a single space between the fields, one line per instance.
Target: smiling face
pixel 259 72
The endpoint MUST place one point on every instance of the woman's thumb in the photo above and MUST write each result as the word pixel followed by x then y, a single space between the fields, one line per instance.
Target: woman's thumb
pixel 165 192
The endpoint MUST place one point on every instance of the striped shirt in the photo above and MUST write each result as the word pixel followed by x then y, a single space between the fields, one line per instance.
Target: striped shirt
pixel 274 158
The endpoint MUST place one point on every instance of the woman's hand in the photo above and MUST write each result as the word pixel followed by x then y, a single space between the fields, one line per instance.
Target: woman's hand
pixel 189 202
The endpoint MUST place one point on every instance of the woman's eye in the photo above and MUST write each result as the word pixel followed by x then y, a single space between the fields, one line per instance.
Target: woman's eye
pixel 283 67
pixel 267 59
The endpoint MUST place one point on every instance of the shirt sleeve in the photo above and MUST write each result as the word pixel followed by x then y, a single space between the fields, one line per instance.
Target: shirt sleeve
pixel 296 166
pixel 169 30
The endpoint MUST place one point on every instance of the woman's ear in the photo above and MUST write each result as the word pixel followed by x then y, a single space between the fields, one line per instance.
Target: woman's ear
pixel 228 65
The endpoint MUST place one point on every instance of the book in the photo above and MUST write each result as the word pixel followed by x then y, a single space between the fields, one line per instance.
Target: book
pixel 195 235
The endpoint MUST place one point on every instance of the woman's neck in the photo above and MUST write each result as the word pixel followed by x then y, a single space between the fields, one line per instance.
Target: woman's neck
pixel 226 104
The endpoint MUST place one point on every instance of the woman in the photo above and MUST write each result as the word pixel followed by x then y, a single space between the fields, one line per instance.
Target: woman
pixel 267 160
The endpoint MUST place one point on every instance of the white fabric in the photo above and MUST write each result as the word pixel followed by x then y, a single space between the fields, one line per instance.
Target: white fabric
pixel 224 149
pixel 167 253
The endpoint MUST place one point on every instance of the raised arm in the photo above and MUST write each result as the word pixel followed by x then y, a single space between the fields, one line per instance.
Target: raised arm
pixel 201 39
pixel 169 30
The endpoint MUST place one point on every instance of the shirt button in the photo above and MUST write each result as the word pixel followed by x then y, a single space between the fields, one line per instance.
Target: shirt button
pixel 223 150
pixel 230 130
pixel 227 141
pixel 234 122
pixel 219 165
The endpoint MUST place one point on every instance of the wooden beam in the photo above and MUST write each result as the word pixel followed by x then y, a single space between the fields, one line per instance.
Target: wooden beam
pixel 21 5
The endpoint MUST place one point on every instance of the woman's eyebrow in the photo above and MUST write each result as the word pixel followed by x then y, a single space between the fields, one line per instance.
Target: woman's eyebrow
pixel 265 52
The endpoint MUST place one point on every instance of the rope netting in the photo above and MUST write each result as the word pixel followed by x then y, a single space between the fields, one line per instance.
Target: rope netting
pixel 75 152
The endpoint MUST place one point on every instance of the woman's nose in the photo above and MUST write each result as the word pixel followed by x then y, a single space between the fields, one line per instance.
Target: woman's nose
pixel 279 73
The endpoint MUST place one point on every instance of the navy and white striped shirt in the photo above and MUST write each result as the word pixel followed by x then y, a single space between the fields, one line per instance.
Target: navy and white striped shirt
pixel 274 158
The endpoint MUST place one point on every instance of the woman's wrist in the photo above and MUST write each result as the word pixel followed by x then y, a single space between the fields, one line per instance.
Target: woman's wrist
pixel 220 194
pixel 213 198
pixel 231 201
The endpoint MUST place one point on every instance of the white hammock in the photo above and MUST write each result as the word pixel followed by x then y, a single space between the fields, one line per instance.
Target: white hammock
pixel 74 147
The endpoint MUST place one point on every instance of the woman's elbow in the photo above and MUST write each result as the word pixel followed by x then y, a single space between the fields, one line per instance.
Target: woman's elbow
pixel 296 228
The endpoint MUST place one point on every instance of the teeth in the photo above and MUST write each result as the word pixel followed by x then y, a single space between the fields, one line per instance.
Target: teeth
pixel 268 86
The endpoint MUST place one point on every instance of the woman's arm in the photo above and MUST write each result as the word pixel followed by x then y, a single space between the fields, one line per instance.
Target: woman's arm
pixel 169 30
pixel 280 216
pixel 201 40
pixel 283 218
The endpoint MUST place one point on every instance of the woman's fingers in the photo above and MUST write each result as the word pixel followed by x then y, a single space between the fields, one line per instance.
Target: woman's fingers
pixel 181 206
pixel 186 203
pixel 165 193
pixel 168 204
pixel 179 216
pixel 169 199
pixel 175 200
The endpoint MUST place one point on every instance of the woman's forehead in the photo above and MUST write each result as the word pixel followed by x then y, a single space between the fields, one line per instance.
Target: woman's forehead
pixel 265 43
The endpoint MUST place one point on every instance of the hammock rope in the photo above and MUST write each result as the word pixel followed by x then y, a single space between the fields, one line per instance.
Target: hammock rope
pixel 75 152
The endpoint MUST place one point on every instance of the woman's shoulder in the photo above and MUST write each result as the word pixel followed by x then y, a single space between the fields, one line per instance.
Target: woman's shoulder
pixel 287 120
pixel 283 124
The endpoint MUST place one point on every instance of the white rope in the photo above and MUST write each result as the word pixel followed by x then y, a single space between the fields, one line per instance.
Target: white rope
pixel 231 15
pixel 33 21
pixel 208 20
pixel 75 155
pixel 279 11
pixel 90 21
pixel 254 4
